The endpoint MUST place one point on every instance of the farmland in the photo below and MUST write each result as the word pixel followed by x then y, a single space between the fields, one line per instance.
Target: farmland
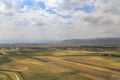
pixel 59 64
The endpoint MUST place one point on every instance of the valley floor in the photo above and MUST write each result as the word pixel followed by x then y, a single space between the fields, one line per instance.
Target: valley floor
pixel 58 65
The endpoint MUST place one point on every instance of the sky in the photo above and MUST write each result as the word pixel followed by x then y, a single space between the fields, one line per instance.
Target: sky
pixel 47 20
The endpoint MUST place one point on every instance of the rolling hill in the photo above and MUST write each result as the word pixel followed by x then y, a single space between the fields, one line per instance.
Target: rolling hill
pixel 97 42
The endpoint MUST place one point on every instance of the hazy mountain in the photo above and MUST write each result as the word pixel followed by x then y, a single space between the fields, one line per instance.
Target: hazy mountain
pixel 97 41
pixel 92 42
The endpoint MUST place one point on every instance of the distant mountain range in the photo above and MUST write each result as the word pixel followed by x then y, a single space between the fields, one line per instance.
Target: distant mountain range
pixel 74 42
pixel 97 42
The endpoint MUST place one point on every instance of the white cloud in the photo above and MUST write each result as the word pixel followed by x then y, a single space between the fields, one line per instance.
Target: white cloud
pixel 7 6
pixel 38 24
pixel 54 3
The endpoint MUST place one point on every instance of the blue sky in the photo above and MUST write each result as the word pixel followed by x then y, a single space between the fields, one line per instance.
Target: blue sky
pixel 42 20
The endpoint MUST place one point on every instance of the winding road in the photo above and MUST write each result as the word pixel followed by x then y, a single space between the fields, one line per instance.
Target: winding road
pixel 12 74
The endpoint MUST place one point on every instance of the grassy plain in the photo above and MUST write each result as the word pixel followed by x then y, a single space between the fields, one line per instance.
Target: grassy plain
pixel 58 65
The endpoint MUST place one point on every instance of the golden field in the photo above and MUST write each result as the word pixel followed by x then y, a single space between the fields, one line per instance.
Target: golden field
pixel 58 65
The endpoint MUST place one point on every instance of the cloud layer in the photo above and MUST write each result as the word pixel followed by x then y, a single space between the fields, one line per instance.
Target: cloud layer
pixel 39 20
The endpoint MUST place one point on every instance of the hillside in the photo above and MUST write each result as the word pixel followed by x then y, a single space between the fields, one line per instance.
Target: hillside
pixel 97 42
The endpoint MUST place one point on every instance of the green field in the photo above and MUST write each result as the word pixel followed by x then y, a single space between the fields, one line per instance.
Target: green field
pixel 58 65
